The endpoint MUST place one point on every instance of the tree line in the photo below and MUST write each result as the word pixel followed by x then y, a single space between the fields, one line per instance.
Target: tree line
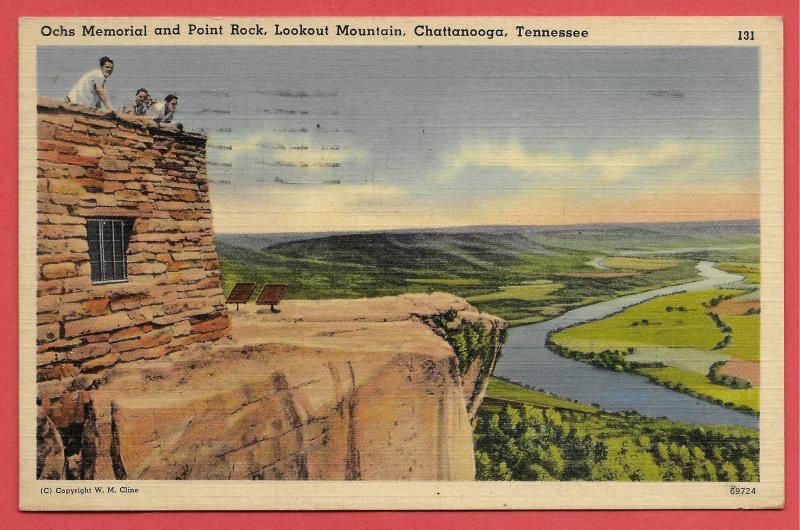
pixel 532 444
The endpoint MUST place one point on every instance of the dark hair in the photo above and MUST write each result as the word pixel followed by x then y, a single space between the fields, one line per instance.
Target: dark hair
pixel 170 98
pixel 143 90
pixel 104 59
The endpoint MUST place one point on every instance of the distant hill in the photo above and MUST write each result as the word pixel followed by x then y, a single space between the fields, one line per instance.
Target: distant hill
pixel 601 237
pixel 523 264
pixel 381 263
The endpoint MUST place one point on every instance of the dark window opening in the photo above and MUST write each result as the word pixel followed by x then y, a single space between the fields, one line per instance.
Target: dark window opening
pixel 108 248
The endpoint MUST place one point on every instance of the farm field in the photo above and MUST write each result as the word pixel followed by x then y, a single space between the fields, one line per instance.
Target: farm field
pixel 747 370
pixel 687 359
pixel 687 342
pixel 745 344
pixel 538 290
pixel 698 382
pixel 675 321
pixel 751 271
pixel 501 392
pixel 645 264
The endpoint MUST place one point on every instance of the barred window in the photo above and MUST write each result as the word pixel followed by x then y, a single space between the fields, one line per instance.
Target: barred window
pixel 108 245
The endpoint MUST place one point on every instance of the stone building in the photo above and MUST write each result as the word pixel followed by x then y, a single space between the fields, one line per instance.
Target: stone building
pixel 128 269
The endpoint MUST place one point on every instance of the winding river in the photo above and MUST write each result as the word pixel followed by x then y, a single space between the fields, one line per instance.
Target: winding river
pixel 526 360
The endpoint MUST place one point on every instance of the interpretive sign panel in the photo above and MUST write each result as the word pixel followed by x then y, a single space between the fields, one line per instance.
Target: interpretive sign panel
pixel 241 293
pixel 271 294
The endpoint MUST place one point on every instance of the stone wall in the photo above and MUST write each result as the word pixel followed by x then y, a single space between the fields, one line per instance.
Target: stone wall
pixel 95 164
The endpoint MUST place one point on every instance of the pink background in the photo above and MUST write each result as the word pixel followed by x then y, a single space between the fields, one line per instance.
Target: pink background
pixel 9 462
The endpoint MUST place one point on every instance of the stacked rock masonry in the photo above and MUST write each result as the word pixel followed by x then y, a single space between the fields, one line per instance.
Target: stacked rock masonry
pixel 150 182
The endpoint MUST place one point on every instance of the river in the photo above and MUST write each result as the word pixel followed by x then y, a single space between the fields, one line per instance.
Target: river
pixel 527 360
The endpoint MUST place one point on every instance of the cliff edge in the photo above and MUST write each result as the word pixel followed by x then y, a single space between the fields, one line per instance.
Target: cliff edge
pixel 378 389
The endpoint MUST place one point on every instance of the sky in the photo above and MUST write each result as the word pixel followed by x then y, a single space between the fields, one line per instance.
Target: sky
pixel 308 138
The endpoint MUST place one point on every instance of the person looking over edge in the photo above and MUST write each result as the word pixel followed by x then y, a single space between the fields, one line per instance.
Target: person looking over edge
pixel 164 111
pixel 139 105
pixel 90 90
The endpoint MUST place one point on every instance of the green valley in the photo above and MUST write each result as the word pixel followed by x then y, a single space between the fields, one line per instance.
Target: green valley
pixel 523 274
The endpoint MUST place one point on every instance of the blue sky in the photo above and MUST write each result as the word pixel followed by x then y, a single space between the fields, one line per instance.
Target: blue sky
pixel 364 138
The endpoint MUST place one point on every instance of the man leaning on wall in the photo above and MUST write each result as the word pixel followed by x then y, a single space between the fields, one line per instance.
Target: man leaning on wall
pixel 90 89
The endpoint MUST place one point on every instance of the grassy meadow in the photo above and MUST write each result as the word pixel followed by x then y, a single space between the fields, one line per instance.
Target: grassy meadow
pixel 643 264
pixel 751 271
pixel 677 321
pixel 501 392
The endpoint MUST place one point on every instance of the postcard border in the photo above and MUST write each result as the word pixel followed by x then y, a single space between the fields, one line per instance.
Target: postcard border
pixel 790 249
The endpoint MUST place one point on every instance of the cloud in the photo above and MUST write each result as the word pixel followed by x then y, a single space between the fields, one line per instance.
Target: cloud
pixel 314 157
pixel 248 144
pixel 601 166
pixel 282 149
pixel 501 183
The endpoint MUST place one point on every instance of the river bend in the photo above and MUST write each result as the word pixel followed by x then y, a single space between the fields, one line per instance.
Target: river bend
pixel 527 360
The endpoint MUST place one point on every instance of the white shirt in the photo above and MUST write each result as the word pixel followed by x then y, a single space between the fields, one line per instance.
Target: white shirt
pixel 159 110
pixel 84 92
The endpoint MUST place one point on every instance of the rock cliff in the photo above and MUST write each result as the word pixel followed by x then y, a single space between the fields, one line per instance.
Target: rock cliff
pixel 338 389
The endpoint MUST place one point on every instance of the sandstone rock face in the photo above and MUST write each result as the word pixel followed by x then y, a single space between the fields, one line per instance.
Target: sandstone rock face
pixel 93 164
pixel 338 389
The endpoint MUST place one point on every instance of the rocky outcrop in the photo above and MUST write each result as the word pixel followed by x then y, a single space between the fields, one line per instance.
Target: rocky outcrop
pixel 92 165
pixel 336 389
pixel 476 339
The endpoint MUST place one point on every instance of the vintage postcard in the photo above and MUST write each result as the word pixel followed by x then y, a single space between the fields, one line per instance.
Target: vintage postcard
pixel 401 263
